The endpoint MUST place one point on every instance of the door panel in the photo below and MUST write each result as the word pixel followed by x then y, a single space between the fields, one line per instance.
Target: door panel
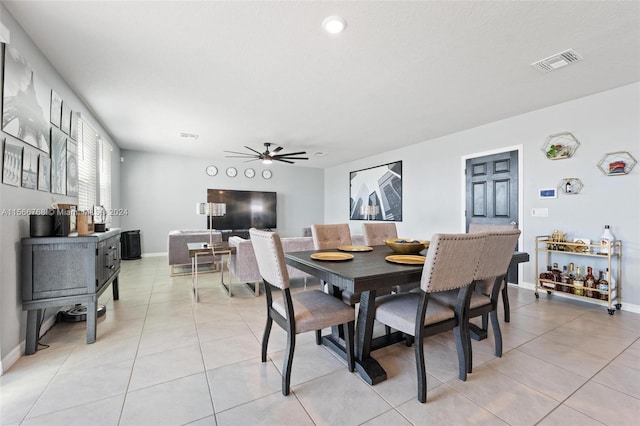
pixel 492 188
pixel 479 199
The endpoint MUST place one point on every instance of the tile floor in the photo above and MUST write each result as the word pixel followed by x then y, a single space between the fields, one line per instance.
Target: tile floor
pixel 160 359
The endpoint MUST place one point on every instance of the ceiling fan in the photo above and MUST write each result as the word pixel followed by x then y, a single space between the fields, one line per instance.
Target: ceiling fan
pixel 268 156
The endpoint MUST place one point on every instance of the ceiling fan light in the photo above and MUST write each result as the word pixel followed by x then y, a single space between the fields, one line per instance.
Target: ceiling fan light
pixel 334 24
pixel 266 161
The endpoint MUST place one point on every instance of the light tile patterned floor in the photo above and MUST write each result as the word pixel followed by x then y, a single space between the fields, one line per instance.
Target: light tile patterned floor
pixel 161 359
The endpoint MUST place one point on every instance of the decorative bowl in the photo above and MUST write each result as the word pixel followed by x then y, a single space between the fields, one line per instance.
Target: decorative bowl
pixel 406 245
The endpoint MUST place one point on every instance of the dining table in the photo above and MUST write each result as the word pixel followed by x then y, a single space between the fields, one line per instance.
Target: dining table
pixel 367 273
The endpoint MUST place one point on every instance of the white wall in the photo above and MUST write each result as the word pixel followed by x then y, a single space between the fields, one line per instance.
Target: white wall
pixel 160 193
pixel 14 227
pixel 604 122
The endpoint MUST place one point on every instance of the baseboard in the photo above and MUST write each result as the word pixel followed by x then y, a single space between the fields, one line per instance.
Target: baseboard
pixel 154 254
pixel 15 354
pixel 629 307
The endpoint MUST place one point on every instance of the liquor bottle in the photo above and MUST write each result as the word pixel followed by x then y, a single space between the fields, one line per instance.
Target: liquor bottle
pixel 606 240
pixel 564 279
pixel 590 282
pixel 546 275
pixel 556 276
pixel 578 283
pixel 603 286
pixel 572 277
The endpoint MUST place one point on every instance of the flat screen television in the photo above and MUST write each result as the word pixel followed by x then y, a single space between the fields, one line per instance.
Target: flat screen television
pixel 244 209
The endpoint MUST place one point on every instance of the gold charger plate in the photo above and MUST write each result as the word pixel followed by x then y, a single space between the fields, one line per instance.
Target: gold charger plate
pixel 355 248
pixel 406 259
pixel 333 256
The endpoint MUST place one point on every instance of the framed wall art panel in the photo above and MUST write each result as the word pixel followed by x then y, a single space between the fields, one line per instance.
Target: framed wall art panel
pixel 44 173
pixel 72 168
pixel 65 123
pixel 376 193
pixel 29 168
pixel 12 164
pixel 56 108
pixel 58 161
pixel 26 104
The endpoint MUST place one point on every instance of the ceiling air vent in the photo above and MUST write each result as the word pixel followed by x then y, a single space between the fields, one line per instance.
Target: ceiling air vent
pixel 557 61
pixel 189 135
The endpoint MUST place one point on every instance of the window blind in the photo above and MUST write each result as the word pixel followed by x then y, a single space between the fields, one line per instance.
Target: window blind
pixel 105 178
pixel 87 165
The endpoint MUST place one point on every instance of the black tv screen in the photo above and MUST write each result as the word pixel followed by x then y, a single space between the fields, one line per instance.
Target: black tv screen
pixel 244 209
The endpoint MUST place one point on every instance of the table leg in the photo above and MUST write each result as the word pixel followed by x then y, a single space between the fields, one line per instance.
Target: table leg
pixel 505 304
pixel 114 288
pixel 92 315
pixel 194 276
pixel 33 325
pixel 370 370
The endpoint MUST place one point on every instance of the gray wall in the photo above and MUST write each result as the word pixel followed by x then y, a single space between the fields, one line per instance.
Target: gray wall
pixel 13 227
pixel 160 193
pixel 433 186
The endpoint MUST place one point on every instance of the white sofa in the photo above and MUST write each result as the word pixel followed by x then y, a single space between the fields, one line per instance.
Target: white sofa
pixel 244 267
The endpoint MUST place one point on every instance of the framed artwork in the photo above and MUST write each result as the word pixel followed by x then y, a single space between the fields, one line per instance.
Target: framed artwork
pixel 65 123
pixel 26 104
pixel 72 168
pixel 44 173
pixel 29 169
pixel 12 164
pixel 58 161
pixel 56 109
pixel 73 131
pixel 376 193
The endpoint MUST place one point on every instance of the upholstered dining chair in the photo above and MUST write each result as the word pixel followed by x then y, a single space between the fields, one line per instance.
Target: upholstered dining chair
pixel 330 236
pixel 376 233
pixel 489 279
pixel 326 237
pixel 298 312
pixel 484 227
pixel 451 264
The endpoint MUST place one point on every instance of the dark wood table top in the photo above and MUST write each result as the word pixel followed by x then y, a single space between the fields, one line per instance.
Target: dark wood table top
pixel 366 271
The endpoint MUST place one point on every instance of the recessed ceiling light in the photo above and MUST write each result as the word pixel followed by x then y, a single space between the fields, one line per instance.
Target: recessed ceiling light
pixel 334 24
pixel 319 153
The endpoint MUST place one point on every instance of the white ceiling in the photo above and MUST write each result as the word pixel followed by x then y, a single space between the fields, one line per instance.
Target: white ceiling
pixel 244 73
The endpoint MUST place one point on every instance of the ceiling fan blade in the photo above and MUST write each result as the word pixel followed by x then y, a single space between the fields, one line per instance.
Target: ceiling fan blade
pixel 259 153
pixel 292 153
pixel 242 156
pixel 253 159
pixel 278 149
pixel 284 161
pixel 241 153
pixel 286 157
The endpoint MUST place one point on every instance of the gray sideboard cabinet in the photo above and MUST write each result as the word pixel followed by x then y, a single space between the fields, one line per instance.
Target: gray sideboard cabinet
pixel 61 271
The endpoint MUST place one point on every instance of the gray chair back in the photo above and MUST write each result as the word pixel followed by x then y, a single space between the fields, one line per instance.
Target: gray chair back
pixel 376 233
pixel 484 227
pixel 452 261
pixel 330 236
pixel 270 257
pixel 497 253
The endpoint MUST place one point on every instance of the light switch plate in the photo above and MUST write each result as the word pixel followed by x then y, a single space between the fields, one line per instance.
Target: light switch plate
pixel 540 212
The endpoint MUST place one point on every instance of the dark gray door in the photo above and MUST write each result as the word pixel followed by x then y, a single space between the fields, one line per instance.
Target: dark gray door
pixel 492 188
